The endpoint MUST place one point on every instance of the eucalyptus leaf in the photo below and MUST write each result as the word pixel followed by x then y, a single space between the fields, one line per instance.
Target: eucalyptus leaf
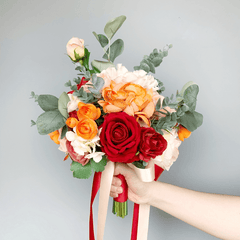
pixel 103 40
pixel 190 96
pixel 33 123
pixel 68 84
pixel 191 120
pixel 113 25
pixel 80 171
pixel 100 65
pixel 48 102
pixel 64 131
pixel 116 49
pixel 62 104
pixel 50 121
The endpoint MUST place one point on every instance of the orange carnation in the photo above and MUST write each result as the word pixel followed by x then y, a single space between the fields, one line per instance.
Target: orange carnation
pixel 183 133
pixel 87 128
pixel 88 110
pixel 54 136
pixel 127 97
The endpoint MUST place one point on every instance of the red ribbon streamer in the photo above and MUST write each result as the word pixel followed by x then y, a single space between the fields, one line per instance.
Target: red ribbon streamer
pixel 122 197
pixel 95 188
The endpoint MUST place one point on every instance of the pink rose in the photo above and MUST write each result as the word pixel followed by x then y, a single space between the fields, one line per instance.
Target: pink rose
pixel 74 156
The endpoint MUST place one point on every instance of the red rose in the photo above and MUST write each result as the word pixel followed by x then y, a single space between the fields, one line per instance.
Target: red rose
pixel 152 144
pixel 73 114
pixel 74 156
pixel 79 85
pixel 120 137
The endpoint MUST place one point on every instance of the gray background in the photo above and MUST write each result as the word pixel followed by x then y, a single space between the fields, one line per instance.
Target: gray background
pixel 39 198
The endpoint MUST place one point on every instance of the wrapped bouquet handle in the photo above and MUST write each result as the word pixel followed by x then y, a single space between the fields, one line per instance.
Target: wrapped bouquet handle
pixel 120 204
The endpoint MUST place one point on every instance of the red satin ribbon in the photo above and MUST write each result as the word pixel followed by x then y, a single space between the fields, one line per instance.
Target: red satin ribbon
pixel 122 197
pixel 158 172
pixel 95 188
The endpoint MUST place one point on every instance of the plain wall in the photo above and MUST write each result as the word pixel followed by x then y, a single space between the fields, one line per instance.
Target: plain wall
pixel 39 198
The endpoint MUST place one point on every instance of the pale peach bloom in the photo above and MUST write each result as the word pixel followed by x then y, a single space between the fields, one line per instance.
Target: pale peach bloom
pixel 77 45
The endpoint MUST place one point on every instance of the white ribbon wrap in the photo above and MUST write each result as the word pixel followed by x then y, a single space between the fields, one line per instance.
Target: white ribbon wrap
pixel 146 175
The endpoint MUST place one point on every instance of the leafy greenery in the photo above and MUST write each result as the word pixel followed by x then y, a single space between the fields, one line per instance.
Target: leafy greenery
pixel 101 65
pixel 62 104
pixel 80 171
pixel 100 166
pixel 48 102
pixel 103 40
pixel 84 96
pixel 64 131
pixel 113 25
pixel 33 123
pixel 116 50
pixel 50 121
pixel 33 95
pixel 140 164
pixel 149 63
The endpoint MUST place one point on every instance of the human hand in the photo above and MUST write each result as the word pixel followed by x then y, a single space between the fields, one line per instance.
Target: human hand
pixel 138 191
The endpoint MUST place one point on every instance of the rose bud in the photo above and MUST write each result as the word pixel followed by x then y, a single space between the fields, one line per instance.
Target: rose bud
pixel 75 49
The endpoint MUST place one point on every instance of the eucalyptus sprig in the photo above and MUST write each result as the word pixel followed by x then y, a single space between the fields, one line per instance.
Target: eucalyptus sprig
pixel 149 63
pixel 114 49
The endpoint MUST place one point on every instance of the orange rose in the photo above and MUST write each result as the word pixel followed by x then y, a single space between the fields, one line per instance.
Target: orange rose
pixel 88 110
pixel 54 136
pixel 87 128
pixel 183 133
pixel 71 122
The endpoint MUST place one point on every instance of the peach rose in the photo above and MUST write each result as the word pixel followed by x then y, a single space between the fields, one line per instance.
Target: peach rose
pixel 75 48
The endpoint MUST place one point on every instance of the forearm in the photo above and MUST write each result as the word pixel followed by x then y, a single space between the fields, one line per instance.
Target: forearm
pixel 215 214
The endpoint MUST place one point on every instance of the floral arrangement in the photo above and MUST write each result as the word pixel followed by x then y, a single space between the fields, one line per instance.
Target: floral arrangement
pixel 114 115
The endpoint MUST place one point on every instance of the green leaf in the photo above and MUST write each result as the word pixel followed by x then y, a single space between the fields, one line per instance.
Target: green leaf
pixel 74 87
pixel 191 120
pixel 48 102
pixel 103 40
pixel 50 121
pixel 113 25
pixel 68 84
pixel 86 58
pixel 64 131
pixel 116 49
pixel 139 164
pixel 100 65
pixel 62 104
pixel 190 96
pixel 80 171
pixel 33 95
pixel 33 123
pixel 77 80
pixel 158 105
pixel 100 166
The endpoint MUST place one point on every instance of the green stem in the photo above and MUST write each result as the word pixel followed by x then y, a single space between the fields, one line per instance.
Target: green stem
pixel 120 208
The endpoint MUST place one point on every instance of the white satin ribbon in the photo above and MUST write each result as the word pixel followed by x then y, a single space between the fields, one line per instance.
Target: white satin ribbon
pixel 105 185
pixel 146 175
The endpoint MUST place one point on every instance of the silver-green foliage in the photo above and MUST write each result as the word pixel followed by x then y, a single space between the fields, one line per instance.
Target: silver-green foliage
pixel 55 113
pixel 184 105
pixel 149 63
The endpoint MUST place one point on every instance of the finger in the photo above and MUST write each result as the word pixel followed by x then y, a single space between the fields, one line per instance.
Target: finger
pixel 116 181
pixel 113 195
pixel 123 169
pixel 116 189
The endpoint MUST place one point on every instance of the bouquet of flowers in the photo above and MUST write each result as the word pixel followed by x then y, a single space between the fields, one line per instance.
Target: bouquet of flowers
pixel 113 115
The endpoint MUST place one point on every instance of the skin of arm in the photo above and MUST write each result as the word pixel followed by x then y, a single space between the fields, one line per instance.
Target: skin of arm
pixel 218 215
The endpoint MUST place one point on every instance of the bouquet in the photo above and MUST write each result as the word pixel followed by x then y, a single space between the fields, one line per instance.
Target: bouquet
pixel 114 115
